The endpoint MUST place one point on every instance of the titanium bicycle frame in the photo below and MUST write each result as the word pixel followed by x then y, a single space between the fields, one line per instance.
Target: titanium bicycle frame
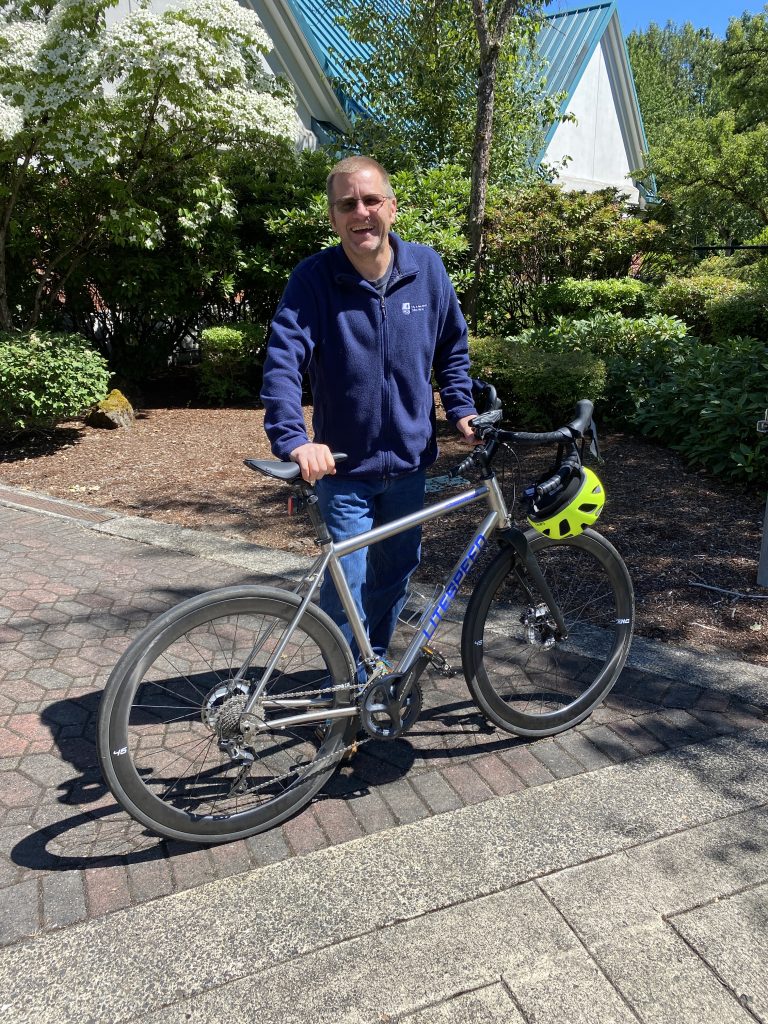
pixel 316 709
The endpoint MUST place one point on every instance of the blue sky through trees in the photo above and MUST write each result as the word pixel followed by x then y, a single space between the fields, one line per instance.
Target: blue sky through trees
pixel 712 14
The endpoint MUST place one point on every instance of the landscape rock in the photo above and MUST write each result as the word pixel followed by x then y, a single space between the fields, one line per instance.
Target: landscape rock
pixel 111 412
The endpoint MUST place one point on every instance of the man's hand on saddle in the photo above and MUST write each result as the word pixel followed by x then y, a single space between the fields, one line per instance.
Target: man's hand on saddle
pixel 314 460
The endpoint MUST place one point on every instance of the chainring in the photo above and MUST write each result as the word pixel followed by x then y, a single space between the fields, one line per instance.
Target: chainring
pixel 382 714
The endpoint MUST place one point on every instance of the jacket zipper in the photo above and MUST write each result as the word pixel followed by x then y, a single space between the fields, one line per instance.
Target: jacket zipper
pixel 386 462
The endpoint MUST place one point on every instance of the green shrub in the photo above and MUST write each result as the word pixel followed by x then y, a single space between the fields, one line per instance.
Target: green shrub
pixel 46 378
pixel 633 349
pixel 691 298
pixel 540 234
pixel 230 362
pixel 655 267
pixel 741 313
pixel 604 334
pixel 538 387
pixel 705 404
pixel 581 299
pixel 721 265
pixel 741 264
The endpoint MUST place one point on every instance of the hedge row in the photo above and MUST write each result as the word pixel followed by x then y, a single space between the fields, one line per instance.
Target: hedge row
pixel 714 307
pixel 648 374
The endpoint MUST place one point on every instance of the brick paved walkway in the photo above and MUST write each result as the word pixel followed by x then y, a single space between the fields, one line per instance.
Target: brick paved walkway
pixel 70 601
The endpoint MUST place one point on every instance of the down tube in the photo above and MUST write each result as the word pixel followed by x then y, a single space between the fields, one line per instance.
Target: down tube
pixel 432 619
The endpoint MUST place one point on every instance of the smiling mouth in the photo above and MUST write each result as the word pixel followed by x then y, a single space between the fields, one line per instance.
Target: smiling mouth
pixel 365 227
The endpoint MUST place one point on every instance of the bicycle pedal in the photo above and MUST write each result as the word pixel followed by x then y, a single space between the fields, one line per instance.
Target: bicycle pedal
pixel 439 663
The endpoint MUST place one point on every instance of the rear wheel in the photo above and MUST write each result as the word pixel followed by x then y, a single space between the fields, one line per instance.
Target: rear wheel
pixel 520 675
pixel 169 735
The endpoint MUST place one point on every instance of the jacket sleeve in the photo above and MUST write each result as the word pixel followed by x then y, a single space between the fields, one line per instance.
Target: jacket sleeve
pixel 451 362
pixel 289 351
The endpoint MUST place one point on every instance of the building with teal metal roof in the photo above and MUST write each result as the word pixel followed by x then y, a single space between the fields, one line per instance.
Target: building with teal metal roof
pixel 587 64
pixel 601 146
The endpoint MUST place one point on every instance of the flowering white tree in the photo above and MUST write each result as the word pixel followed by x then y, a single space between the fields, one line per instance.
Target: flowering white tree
pixel 95 117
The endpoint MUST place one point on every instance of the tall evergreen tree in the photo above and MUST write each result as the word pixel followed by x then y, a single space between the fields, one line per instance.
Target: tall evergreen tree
pixel 676 72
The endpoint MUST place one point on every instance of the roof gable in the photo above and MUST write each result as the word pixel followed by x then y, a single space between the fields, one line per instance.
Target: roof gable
pixel 567 42
pixel 330 43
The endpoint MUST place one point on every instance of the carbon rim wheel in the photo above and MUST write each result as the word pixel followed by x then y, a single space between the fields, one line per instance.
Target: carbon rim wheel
pixel 170 743
pixel 522 677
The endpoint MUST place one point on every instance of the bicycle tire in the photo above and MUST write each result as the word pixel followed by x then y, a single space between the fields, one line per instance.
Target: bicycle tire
pixel 163 703
pixel 519 683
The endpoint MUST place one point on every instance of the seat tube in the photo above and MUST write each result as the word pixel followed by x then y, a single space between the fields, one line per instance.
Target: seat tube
pixel 350 609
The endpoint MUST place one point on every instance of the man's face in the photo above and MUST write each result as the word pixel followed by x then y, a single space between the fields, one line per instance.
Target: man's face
pixel 359 219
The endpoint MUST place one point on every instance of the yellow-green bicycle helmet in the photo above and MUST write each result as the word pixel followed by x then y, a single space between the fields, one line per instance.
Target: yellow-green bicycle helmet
pixel 571 510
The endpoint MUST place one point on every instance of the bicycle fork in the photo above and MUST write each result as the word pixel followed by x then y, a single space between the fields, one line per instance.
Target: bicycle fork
pixel 517 540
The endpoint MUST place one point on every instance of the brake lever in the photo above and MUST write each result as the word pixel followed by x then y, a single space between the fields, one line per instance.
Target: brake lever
pixel 484 423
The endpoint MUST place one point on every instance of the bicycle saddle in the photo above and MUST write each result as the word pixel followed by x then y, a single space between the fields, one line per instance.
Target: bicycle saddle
pixel 285 471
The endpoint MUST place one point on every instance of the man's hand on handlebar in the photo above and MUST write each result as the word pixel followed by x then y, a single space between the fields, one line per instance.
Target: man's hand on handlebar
pixel 468 435
pixel 314 460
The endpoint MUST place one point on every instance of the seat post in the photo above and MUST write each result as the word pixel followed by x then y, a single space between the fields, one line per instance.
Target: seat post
pixel 309 497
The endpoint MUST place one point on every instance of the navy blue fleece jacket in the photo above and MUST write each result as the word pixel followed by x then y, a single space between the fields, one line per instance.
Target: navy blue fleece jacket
pixel 369 360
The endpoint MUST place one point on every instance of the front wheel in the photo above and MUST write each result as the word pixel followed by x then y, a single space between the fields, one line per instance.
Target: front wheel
pixel 520 674
pixel 169 736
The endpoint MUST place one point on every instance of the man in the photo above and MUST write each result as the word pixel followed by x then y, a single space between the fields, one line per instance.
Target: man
pixel 368 320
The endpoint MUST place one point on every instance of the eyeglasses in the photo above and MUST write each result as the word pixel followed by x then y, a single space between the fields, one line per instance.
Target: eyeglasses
pixel 371 203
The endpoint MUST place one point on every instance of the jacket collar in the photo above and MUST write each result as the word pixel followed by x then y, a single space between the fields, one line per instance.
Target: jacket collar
pixel 405 265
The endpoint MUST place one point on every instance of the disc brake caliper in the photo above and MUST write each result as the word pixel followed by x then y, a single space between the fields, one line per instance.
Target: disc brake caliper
pixel 540 630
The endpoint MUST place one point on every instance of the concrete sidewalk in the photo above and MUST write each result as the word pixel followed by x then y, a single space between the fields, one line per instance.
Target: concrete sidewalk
pixel 616 872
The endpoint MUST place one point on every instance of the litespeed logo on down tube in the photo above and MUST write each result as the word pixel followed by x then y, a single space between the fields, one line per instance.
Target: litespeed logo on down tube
pixel 452 589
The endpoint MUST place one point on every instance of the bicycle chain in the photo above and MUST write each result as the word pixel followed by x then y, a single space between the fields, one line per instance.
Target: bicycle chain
pixel 437 659
pixel 337 755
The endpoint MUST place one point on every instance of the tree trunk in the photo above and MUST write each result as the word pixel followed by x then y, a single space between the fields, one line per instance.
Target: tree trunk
pixel 481 162
pixel 6 319
pixel 490 39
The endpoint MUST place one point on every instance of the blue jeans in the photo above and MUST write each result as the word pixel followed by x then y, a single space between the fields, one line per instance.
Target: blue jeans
pixel 377 576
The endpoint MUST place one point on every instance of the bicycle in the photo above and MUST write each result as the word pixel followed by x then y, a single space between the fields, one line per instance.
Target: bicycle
pixel 229 712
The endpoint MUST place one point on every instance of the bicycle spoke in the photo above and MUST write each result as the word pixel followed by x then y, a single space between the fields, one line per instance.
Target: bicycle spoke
pixel 521 663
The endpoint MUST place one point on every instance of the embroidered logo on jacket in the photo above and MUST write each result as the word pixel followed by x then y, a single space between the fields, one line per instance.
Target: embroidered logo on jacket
pixel 409 307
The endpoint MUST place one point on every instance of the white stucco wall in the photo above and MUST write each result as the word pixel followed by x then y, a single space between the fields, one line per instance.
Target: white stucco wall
pixel 594 142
